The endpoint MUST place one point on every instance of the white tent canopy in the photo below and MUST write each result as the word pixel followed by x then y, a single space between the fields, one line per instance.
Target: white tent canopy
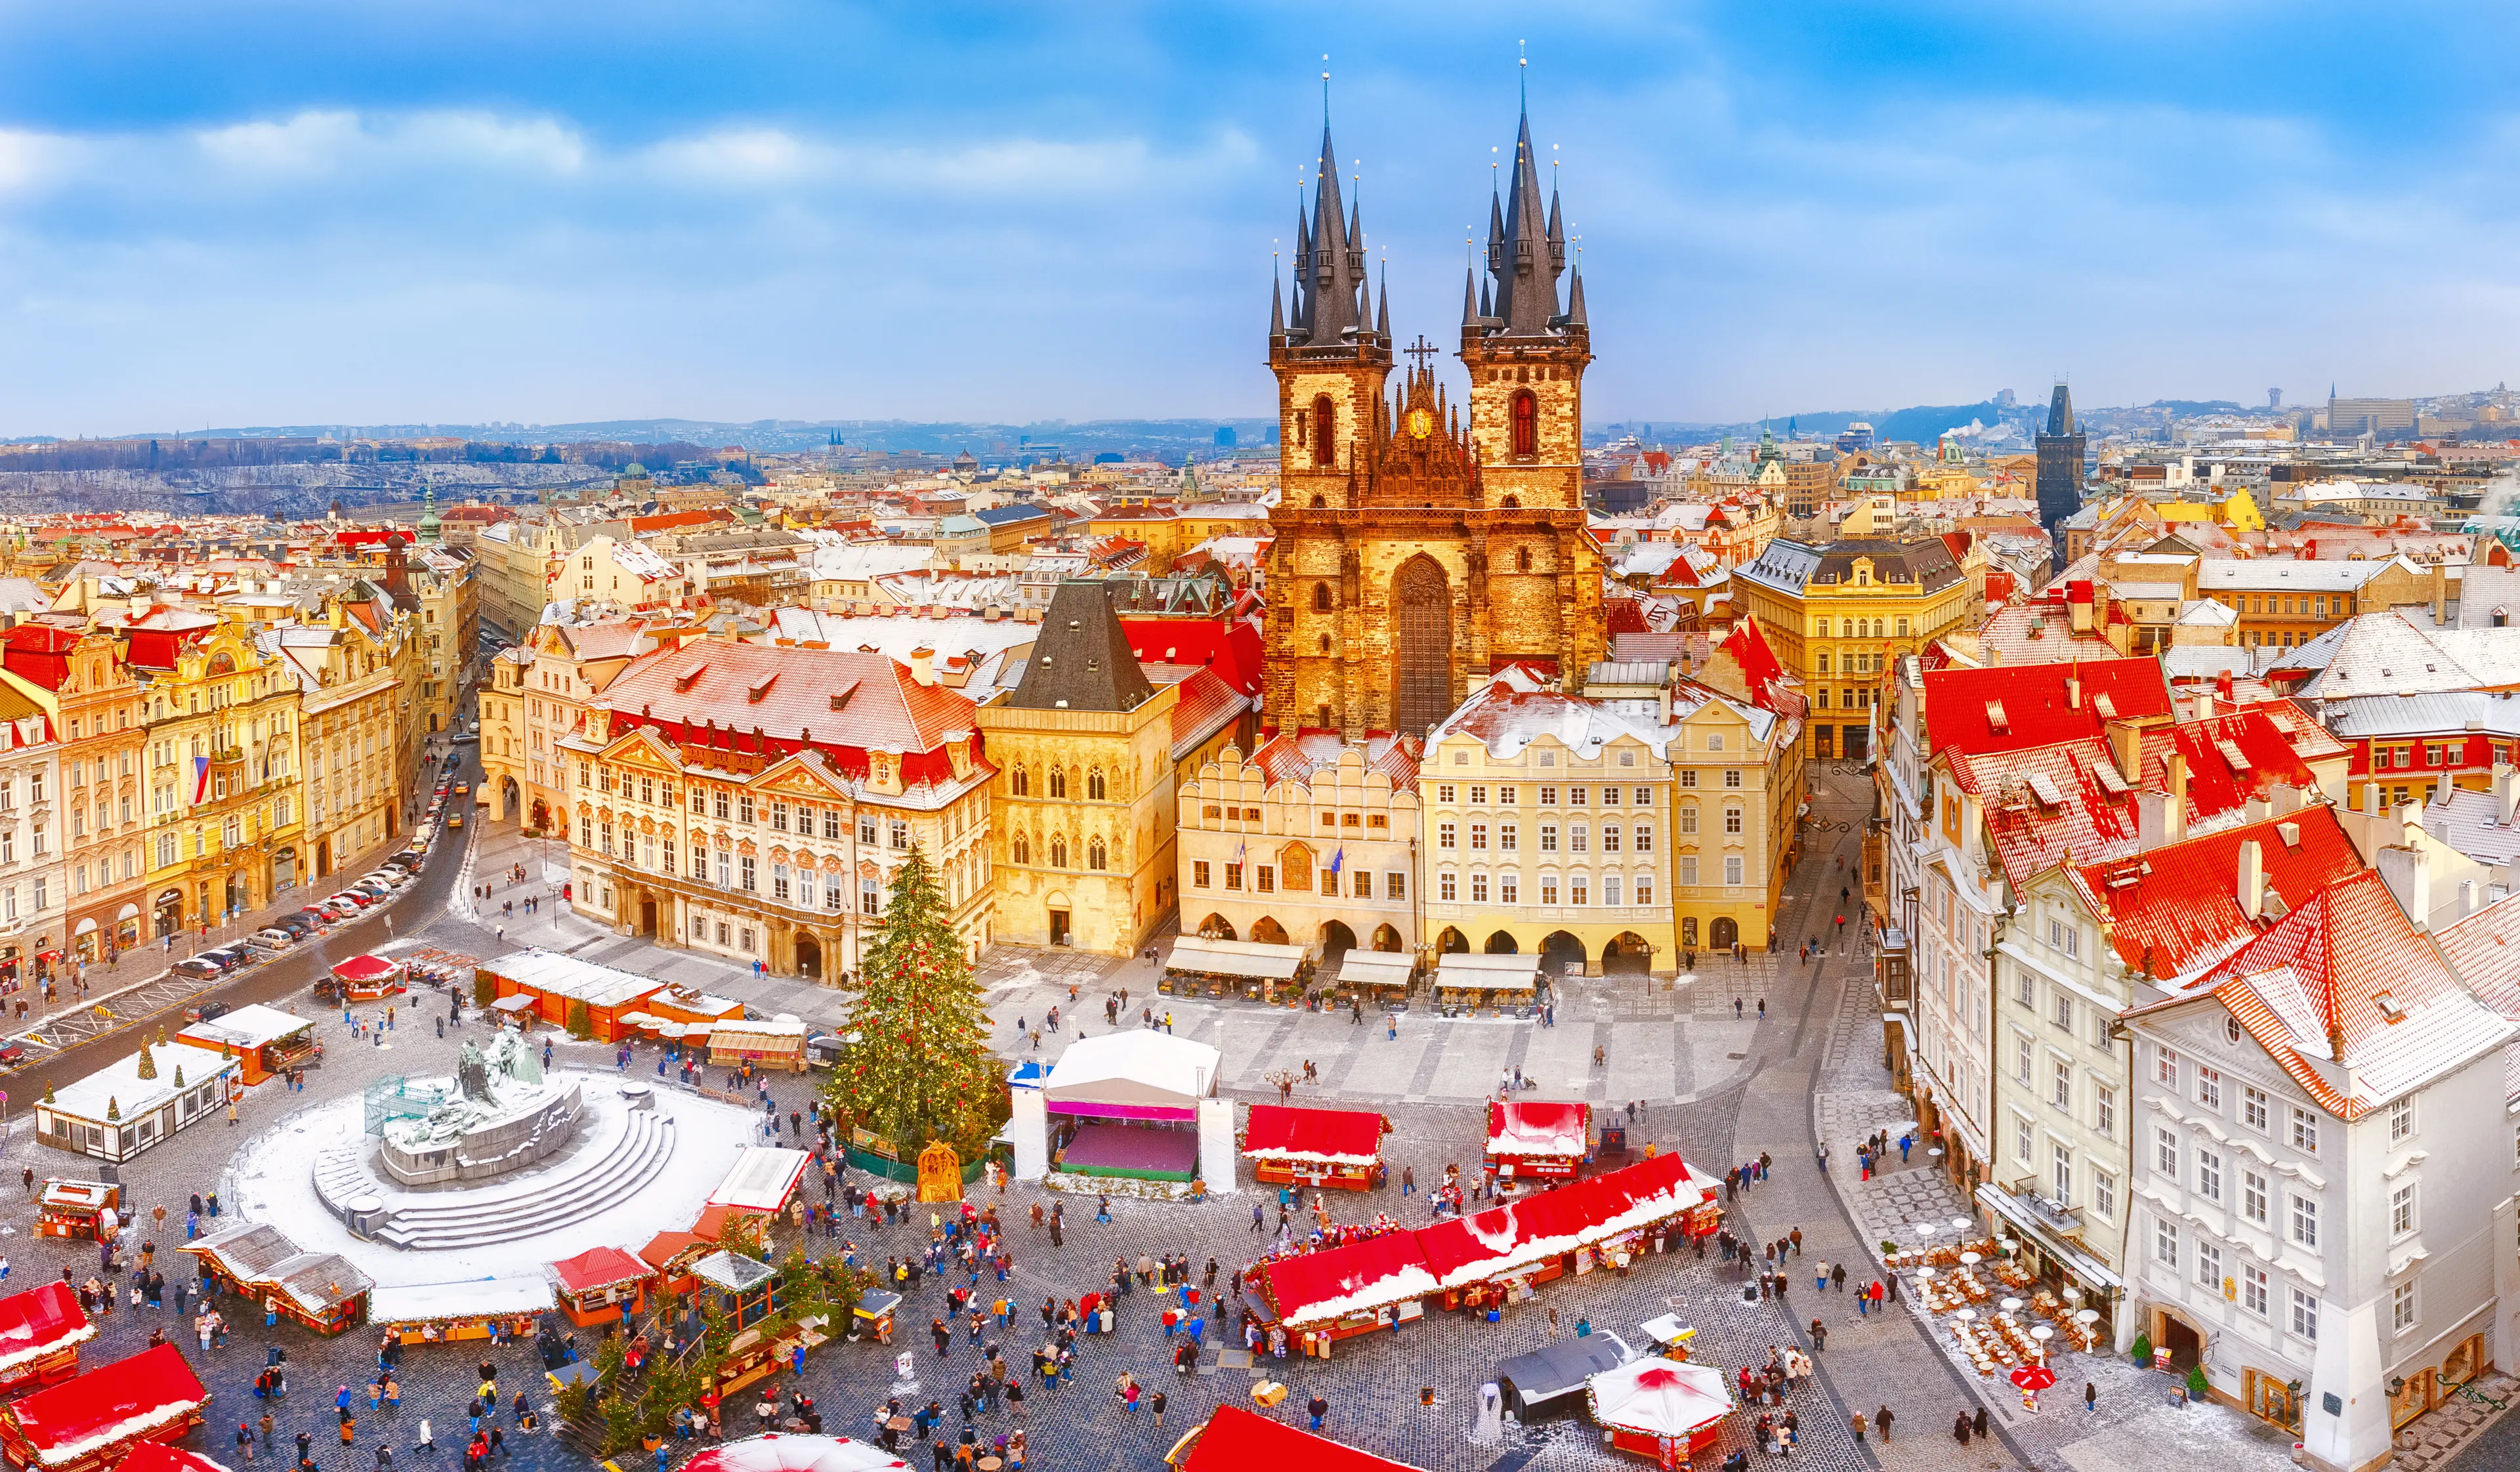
pixel 1506 972
pixel 1139 1067
pixel 1660 1397
pixel 1257 960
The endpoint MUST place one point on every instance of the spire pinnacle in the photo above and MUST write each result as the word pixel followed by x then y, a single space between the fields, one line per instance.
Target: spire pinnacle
pixel 1325 91
pixel 1382 316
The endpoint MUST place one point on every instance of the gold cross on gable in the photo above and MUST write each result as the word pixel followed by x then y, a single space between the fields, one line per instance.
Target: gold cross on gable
pixel 1422 351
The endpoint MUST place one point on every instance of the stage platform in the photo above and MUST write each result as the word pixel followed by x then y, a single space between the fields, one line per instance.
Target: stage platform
pixel 1132 1150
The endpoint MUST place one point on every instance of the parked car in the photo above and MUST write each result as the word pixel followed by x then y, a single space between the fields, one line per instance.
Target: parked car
pixel 205 1011
pixel 197 967
pixel 226 958
pixel 296 924
pixel 317 916
pixel 387 877
pixel 352 898
pixel 273 939
pixel 12 1055
pixel 339 909
pixel 403 864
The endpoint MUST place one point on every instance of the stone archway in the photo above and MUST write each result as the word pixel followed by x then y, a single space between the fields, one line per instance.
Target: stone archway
pixel 809 955
pixel 1268 932
pixel 1627 953
pixel 1502 943
pixel 1422 645
pixel 1724 933
pixel 1561 954
pixel 1386 938
pixel 511 798
pixel 1452 942
pixel 540 815
pixel 1217 927
pixel 1336 939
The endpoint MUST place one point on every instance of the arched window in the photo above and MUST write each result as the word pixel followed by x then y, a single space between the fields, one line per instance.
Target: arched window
pixel 1058 853
pixel 1523 560
pixel 1526 423
pixel 1094 855
pixel 1321 598
pixel 1093 785
pixel 1326 644
pixel 1512 503
pixel 1057 782
pixel 1325 446
pixel 1320 502
pixel 1022 783
pixel 1023 850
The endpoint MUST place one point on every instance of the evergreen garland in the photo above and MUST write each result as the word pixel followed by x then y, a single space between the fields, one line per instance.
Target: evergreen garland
pixel 920 1069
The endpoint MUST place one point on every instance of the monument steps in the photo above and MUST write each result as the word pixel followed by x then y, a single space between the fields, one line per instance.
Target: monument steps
pixel 585 1186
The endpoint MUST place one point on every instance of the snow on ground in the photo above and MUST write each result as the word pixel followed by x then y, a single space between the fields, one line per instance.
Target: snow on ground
pixel 273 1180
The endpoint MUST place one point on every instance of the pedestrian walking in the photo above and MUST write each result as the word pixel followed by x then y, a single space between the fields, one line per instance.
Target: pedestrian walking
pixel 1961 1428
pixel 1854 1423
pixel 1881 1423
pixel 2091 1397
pixel 1977 1423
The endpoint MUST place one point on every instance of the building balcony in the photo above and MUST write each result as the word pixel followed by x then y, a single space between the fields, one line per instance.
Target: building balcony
pixel 2024 1194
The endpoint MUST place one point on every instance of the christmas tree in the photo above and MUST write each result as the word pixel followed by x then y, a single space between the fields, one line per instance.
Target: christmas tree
pixel 920 1069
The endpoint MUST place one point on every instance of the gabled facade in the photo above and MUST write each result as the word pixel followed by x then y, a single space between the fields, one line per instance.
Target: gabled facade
pixel 1330 828
pixel 80 680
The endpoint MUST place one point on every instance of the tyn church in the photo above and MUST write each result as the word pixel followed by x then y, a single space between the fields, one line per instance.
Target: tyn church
pixel 1416 550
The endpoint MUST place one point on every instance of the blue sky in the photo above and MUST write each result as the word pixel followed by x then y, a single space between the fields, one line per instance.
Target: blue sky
pixel 312 212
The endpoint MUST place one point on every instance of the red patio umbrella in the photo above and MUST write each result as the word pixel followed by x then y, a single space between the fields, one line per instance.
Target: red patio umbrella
pixel 2034 1377
pixel 366 968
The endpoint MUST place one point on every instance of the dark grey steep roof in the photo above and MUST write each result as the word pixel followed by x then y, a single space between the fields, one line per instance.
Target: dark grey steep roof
pixel 1082 661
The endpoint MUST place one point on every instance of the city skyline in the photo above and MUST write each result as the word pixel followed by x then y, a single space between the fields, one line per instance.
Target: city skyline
pixel 454 214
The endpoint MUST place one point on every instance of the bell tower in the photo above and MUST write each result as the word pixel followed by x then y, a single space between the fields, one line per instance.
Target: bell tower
pixel 1330 349
pixel 1524 355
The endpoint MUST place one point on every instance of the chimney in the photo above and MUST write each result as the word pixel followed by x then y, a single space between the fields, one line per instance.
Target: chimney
pixel 2252 881
pixel 2441 594
pixel 2408 871
pixel 2074 691
pixel 2204 706
pixel 2126 743
pixel 2152 821
pixel 2468 898
pixel 923 665
pixel 2283 798
pixel 2506 788
pixel 2177 822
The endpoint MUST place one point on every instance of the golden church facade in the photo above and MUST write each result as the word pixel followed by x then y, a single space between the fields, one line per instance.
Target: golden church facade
pixel 1418 547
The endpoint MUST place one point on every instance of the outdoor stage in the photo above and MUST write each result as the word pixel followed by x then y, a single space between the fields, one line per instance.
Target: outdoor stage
pixel 1135 1152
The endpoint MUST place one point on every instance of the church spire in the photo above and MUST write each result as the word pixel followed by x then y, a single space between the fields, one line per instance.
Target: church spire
pixel 1330 266
pixel 1526 252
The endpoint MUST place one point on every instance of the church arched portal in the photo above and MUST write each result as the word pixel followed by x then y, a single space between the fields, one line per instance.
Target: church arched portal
pixel 1421 644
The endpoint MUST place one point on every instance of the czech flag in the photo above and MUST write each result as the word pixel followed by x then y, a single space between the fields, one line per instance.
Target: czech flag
pixel 201 781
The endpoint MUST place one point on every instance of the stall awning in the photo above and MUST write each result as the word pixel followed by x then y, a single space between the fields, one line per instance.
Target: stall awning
pixel 1316 1287
pixel 599 1268
pixel 1237 1441
pixel 1341 1136
pixel 480 1298
pixel 1468 1249
pixel 36 1323
pixel 1534 1127
pixel 1492 973
pixel 1257 960
pixel 366 969
pixel 522 1001
pixel 1134 1071
pixel 115 1403
pixel 1559 1369
pixel 1375 969
pixel 2050 1241
pixel 761 1180
pixel 1660 1397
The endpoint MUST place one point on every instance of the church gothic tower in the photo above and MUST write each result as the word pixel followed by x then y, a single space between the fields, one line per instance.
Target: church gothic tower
pixel 1418 549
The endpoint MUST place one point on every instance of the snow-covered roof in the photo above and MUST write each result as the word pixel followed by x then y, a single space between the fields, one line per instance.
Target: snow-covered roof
pixel 475 1298
pixel 118 1087
pixel 1135 1066
pixel 558 975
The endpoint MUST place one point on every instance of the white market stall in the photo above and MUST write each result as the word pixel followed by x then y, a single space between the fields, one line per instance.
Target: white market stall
pixel 1137 1105
pixel 136 1102
pixel 441 1312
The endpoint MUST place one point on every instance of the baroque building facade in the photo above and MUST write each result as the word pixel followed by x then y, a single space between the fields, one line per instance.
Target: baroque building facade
pixel 1418 549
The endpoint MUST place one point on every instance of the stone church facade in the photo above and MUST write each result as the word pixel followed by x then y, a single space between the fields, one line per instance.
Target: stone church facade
pixel 1420 547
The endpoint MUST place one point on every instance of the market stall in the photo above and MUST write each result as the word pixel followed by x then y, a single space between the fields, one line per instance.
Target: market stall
pixel 322 1290
pixel 91 1209
pixel 601 1285
pixel 89 1422
pixel 1467 982
pixel 670 1256
pixel 136 1102
pixel 762 1180
pixel 748 1293
pixel 1350 1290
pixel 872 1317
pixel 1376 978
pixel 1499 1256
pixel 555 983
pixel 1659 1410
pixel 778 1044
pixel 446 1312
pixel 157 1456
pixel 1235 1440
pixel 1334 1147
pixel 692 1007
pixel 40 1333
pixel 369 978
pixel 1555 1376
pixel 1529 1139
pixel 1256 969
pixel 266 1040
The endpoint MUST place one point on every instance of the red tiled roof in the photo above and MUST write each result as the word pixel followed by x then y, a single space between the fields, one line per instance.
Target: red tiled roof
pixel 1205 698
pixel 2037 703
pixel 1231 647
pixel 2346 974
pixel 1296 756
pixel 1760 668
pixel 2176 908
pixel 784 693
pixel 39 652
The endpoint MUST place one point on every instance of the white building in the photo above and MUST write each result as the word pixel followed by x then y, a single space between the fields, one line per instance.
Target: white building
pixel 1309 841
pixel 2317 1212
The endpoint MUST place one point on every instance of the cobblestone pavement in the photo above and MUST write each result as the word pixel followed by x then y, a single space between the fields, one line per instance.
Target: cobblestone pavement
pixel 1717 1087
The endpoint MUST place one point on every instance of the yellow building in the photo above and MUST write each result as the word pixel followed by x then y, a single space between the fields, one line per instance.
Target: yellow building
pixel 351 730
pixel 1091 755
pixel 1311 841
pixel 1839 616
pixel 221 768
